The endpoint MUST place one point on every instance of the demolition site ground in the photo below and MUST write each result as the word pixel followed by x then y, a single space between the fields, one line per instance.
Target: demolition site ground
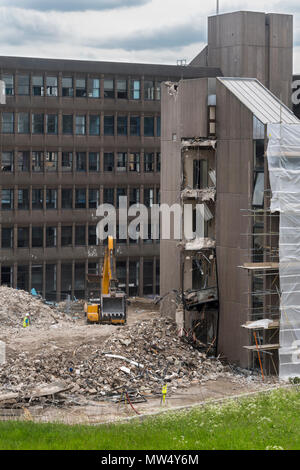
pixel 60 369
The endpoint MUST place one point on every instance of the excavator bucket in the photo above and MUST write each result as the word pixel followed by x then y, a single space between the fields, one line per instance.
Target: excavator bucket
pixel 113 309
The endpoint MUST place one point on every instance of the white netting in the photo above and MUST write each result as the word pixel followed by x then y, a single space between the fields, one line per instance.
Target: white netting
pixel 284 168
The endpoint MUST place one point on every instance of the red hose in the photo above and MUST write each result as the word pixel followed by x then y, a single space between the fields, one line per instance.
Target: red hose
pixel 131 404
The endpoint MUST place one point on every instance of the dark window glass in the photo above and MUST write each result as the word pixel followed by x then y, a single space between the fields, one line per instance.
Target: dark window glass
pixel 134 196
pixel 122 89
pixel 52 123
pixel 149 90
pixel 134 162
pixel 23 159
pixel 122 125
pixel 109 125
pixel 23 85
pixel 81 161
pixel 51 198
pixel 37 86
pixel 52 88
pixel 23 123
pixel 37 161
pixel 8 123
pixel 37 199
pixel 66 198
pixel 108 196
pixel 38 123
pixel 92 235
pixel 66 161
pixel 23 237
pixel 51 236
pixel 94 162
pixel 158 157
pixel 9 84
pixel 109 162
pixel 149 162
pixel 37 237
pixel 109 91
pixel 80 125
pixel 93 198
pixel 23 199
pixel 158 126
pixel 135 125
pixel 67 86
pixel 149 126
pixel 80 235
pixel 122 161
pixel 7 199
pixel 80 87
pixel 66 236
pixel 94 124
pixel 80 198
pixel 7 161
pixel 67 123
pixel 7 237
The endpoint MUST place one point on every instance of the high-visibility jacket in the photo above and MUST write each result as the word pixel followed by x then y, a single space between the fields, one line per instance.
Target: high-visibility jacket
pixel 26 322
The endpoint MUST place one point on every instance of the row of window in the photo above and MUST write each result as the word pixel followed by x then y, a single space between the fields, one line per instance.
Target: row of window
pixel 77 198
pixel 40 161
pixel 40 123
pixel 121 88
pixel 47 237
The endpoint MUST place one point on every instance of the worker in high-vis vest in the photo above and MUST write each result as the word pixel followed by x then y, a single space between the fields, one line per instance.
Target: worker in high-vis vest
pixel 26 321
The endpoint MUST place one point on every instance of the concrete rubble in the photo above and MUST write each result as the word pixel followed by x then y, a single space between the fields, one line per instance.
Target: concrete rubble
pixel 139 358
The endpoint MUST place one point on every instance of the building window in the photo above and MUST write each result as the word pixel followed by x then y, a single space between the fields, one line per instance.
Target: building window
pixel 80 87
pixel 80 235
pixel 51 159
pixel 148 162
pixel 51 237
pixel 149 126
pixel 149 90
pixel 23 237
pixel 23 85
pixel 122 125
pixel 9 84
pixel 134 196
pixel 158 91
pixel 258 192
pixel 37 86
pixel 7 161
pixel 67 161
pixel 23 123
pixel 200 174
pixel 134 162
pixel 37 237
pixel 67 198
pixel 122 161
pixel 7 123
pixel 109 161
pixel 68 124
pixel 122 89
pixel 23 158
pixel 66 235
pixel 109 196
pixel 94 124
pixel 52 88
pixel 51 198
pixel 80 198
pixel 158 126
pixel 23 199
pixel 109 89
pixel 38 123
pixel 135 126
pixel 38 161
pixel 80 125
pixel 92 235
pixel 93 198
pixel 7 199
pixel 94 88
pixel 158 158
pixel 67 86
pixel 94 161
pixel 148 197
pixel 37 199
pixel 52 121
pixel 135 89
pixel 109 125
pixel 7 237
pixel 81 161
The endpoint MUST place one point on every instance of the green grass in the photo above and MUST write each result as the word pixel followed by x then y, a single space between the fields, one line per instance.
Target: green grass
pixel 268 421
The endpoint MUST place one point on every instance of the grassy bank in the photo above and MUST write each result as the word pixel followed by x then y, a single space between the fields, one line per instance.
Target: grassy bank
pixel 264 422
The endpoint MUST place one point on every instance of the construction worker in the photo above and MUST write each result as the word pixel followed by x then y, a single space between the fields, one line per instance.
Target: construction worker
pixel 26 321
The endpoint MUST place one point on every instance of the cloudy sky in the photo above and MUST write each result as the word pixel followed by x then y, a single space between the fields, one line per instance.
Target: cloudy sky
pixel 148 31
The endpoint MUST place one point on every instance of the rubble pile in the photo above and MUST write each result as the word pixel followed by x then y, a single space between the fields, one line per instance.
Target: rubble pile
pixel 14 304
pixel 141 357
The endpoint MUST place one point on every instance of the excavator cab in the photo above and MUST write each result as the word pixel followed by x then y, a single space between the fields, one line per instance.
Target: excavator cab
pixel 111 307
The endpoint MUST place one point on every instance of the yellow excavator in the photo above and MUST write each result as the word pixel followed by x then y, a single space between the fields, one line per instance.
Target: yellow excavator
pixel 109 307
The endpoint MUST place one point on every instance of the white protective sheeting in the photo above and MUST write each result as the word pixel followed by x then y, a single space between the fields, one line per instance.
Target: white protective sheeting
pixel 284 169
